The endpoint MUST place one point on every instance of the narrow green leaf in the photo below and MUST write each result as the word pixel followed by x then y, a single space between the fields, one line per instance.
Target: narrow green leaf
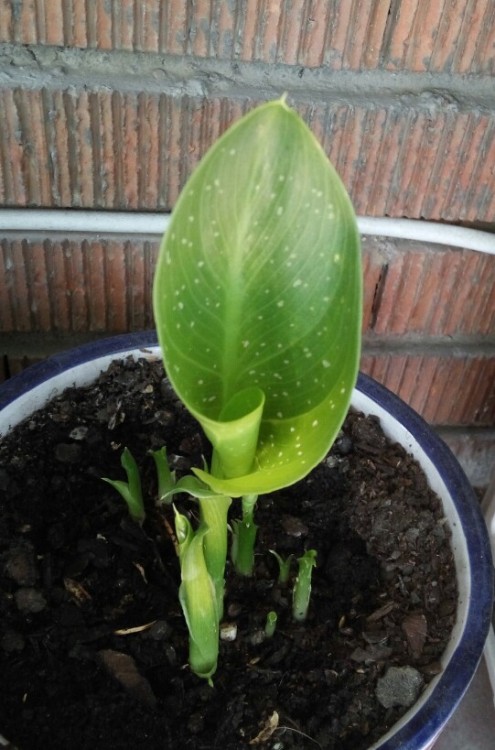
pixel 131 490
pixel 166 478
pixel 283 566
pixel 257 301
pixel 190 485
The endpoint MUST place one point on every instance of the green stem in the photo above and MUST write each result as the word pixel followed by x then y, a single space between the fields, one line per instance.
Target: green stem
pixel 271 624
pixel 213 512
pixel 244 537
pixel 302 586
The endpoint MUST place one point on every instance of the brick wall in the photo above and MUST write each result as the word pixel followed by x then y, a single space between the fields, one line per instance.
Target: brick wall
pixel 109 105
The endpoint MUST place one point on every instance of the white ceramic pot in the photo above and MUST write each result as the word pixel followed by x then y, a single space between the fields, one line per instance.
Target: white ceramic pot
pixel 420 726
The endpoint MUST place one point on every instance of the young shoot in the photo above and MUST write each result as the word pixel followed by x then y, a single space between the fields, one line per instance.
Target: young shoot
pixel 271 624
pixel 257 303
pixel 283 566
pixel 244 537
pixel 131 490
pixel 302 585
pixel 198 598
pixel 166 478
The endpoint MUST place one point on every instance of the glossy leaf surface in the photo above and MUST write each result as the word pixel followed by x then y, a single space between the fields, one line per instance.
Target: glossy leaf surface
pixel 257 301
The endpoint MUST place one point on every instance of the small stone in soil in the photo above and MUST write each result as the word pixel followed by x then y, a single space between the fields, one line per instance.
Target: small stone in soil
pixel 79 433
pixel 257 637
pixel 400 686
pixel 294 526
pixel 68 453
pixel 228 631
pixel 159 631
pixel 29 600
pixel 21 566
pixel 124 669
pixel 12 641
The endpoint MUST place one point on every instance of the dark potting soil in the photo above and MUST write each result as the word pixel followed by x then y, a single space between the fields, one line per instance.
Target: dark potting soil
pixel 93 646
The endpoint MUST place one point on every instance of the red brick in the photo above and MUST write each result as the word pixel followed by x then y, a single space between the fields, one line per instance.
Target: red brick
pixel 11 152
pixel 75 23
pixel 56 297
pixel 474 50
pixel 401 22
pixel 95 298
pixel 316 27
pixel 80 287
pixel 450 32
pixel 6 311
pixel 374 263
pixel 365 35
pixel 435 35
pixel 15 305
pixel 409 289
pixel 453 390
pixel 469 154
pixel 423 34
pixel 51 19
pixel 436 292
pixel 294 24
pixel 114 150
pixel 390 147
pixel 438 36
pixel 58 145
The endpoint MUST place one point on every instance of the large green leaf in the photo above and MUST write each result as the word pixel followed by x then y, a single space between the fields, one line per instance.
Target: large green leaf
pixel 257 300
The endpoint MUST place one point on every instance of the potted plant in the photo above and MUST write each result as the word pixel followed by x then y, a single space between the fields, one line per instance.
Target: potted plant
pixel 257 302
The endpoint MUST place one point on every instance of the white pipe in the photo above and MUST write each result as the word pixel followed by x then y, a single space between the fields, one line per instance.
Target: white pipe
pixel 60 221
pixel 153 225
pixel 428 231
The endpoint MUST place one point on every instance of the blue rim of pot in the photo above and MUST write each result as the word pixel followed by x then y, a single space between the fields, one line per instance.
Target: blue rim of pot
pixel 427 722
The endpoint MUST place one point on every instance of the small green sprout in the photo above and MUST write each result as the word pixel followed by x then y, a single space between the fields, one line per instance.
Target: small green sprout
pixel 271 624
pixel 283 566
pixel 302 585
pixel 166 478
pixel 131 490
pixel 244 532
